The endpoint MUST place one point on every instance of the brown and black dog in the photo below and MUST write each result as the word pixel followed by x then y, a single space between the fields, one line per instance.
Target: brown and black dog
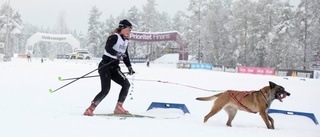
pixel 250 101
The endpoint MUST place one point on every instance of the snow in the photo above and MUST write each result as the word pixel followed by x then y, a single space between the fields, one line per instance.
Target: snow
pixel 29 110
pixel 168 59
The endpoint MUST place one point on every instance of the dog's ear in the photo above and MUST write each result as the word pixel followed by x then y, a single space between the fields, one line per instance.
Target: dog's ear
pixel 272 85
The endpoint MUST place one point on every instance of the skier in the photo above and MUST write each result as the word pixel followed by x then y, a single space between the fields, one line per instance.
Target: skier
pixel 116 50
pixel 148 61
pixel 29 57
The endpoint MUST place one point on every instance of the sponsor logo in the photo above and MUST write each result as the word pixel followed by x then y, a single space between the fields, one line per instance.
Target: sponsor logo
pixel 242 69
pixel 228 69
pixel 304 74
pixel 216 69
pixel 282 73
pixel 150 36
pixel 53 38
pixel 250 70
pixel 260 71
pixel 317 75
pixel 269 71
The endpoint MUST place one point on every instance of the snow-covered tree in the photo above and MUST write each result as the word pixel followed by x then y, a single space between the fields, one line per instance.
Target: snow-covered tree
pixel 11 27
pixel 307 31
pixel 61 27
pixel 261 33
pixel 148 23
pixel 243 14
pixel 308 26
pixel 282 47
pixel 196 9
pixel 134 16
pixel 215 33
pixel 93 35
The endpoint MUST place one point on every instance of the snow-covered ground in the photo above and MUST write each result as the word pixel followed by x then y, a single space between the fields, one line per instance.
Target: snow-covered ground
pixel 29 110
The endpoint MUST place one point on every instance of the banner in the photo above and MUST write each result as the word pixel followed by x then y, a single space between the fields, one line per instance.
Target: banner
pixel 316 74
pixel 201 66
pixel 231 69
pixel 152 37
pixel 254 70
pixel 138 60
pixel 294 73
pixel 217 67
pixel 161 36
pixel 183 65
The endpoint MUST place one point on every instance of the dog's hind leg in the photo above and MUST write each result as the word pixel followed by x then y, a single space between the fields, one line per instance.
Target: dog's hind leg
pixel 215 109
pixel 231 113
pixel 217 106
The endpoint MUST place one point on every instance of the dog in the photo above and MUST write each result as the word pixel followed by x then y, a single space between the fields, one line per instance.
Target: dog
pixel 250 101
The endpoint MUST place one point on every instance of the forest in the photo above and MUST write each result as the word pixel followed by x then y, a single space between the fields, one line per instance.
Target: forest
pixel 258 33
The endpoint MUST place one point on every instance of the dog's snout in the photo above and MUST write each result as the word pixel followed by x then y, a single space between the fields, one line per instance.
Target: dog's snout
pixel 288 94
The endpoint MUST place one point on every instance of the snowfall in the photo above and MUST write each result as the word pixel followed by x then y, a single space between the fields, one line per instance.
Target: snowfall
pixel 28 109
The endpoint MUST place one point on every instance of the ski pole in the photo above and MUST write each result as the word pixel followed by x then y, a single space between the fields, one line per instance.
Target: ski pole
pixel 51 91
pixel 60 79
pixel 65 79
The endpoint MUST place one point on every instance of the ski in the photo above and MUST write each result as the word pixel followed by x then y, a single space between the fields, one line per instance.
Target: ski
pixel 124 116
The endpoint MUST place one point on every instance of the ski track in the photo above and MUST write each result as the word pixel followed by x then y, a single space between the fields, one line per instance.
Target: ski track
pixel 29 110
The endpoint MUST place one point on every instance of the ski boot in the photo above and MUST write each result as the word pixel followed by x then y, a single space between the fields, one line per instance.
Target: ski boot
pixel 89 111
pixel 119 109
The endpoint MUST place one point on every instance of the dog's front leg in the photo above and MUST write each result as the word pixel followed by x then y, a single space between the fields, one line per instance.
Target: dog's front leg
pixel 231 113
pixel 265 118
pixel 271 121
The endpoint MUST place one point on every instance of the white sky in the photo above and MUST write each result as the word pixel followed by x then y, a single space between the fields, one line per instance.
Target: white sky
pixel 45 12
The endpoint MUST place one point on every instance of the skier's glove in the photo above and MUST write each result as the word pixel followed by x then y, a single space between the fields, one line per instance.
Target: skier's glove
pixel 131 72
pixel 120 56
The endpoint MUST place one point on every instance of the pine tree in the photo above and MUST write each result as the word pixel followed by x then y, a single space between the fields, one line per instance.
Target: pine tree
pixel 11 27
pixel 94 37
pixel 196 14
pixel 216 43
pixel 135 18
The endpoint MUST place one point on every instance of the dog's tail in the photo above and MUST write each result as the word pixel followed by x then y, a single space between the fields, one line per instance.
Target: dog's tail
pixel 208 98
